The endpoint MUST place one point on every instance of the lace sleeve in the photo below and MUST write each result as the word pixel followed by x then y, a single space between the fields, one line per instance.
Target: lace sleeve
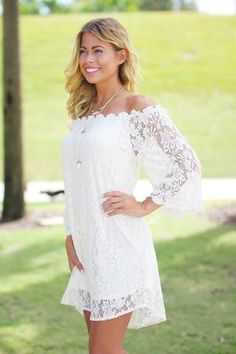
pixel 171 164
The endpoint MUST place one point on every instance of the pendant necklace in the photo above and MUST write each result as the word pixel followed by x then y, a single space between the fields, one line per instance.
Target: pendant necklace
pixel 93 113
pixel 100 109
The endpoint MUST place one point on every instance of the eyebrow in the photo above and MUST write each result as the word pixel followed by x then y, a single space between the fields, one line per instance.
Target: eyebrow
pixel 95 46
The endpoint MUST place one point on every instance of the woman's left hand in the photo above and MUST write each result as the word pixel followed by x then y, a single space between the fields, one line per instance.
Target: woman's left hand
pixel 123 203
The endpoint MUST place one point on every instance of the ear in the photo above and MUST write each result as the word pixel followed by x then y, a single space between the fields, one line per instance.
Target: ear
pixel 122 55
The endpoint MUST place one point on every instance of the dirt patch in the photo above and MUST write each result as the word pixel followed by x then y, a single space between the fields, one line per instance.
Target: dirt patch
pixel 37 218
pixel 223 214
pixel 220 214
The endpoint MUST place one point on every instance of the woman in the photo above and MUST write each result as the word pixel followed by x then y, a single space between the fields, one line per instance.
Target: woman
pixel 114 278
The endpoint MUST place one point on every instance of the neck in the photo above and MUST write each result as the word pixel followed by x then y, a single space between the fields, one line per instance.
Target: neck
pixel 106 90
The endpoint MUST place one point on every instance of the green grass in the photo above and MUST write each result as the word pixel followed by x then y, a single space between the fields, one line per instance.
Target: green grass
pixel 187 63
pixel 197 268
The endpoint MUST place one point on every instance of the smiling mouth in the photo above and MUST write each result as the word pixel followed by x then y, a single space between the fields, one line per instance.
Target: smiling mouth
pixel 92 70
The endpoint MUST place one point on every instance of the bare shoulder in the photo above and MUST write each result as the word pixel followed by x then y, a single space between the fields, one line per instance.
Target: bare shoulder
pixel 139 102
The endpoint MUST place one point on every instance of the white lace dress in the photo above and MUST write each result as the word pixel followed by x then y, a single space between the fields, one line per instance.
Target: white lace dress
pixel 104 153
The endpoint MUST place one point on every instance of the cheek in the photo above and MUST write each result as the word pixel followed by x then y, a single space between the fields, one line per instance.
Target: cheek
pixel 109 63
pixel 106 58
pixel 81 62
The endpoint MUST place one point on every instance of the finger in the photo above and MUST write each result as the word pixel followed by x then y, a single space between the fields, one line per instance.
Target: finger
pixel 74 261
pixel 76 264
pixel 111 200
pixel 114 206
pixel 112 193
pixel 124 199
pixel 115 212
pixel 79 265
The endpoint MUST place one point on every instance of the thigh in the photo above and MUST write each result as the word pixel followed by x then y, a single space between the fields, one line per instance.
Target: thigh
pixel 87 318
pixel 107 336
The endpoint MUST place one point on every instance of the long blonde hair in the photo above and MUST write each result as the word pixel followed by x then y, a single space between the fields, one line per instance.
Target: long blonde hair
pixel 81 92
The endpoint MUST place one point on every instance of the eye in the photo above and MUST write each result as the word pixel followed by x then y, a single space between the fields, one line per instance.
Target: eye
pixel 98 50
pixel 81 51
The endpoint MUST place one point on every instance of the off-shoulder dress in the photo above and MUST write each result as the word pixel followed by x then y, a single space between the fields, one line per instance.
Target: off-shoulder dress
pixel 104 153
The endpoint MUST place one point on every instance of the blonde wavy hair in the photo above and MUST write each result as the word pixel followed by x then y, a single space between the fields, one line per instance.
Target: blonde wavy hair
pixel 81 92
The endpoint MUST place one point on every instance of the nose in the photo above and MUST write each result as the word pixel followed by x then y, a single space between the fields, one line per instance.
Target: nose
pixel 88 58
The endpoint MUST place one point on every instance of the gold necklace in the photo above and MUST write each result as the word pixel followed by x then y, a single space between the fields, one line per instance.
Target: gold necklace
pixel 100 109
pixel 78 162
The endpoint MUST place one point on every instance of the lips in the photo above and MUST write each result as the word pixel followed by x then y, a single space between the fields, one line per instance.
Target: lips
pixel 92 70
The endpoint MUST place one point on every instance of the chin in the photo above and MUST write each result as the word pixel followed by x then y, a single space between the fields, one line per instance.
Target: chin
pixel 93 80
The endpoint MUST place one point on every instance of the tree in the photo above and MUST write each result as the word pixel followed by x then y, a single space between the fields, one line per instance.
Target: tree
pixel 35 6
pixel 156 5
pixel 13 200
pixel 188 5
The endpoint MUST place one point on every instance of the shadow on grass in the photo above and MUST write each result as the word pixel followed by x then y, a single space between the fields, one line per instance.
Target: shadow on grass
pixel 198 283
pixel 26 255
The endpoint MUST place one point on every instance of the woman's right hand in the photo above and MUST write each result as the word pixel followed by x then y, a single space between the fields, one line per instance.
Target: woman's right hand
pixel 71 255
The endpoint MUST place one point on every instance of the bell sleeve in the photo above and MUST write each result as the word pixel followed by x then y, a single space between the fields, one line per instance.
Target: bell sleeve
pixel 171 164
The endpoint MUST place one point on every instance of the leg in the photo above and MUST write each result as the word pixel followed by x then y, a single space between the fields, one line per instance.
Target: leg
pixel 106 337
pixel 87 319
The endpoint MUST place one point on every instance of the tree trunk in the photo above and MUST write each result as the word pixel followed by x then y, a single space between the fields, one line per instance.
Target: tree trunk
pixel 13 200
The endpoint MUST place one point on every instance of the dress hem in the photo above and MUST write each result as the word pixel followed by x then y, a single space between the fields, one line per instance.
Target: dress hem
pixel 131 326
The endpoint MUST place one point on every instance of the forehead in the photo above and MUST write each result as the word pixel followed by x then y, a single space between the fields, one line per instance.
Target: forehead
pixel 90 40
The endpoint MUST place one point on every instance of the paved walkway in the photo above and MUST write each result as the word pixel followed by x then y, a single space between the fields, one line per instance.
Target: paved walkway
pixel 212 189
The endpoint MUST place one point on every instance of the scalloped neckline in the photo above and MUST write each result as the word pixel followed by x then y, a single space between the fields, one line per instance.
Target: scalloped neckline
pixel 117 115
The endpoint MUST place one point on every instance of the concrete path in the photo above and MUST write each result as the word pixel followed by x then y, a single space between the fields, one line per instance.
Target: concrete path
pixel 212 189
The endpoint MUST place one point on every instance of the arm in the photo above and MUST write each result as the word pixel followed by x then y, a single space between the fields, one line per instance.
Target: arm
pixel 170 162
pixel 149 205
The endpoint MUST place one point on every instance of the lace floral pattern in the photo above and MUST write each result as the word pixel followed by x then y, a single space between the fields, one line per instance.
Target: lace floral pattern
pixel 161 146
pixel 142 302
pixel 121 270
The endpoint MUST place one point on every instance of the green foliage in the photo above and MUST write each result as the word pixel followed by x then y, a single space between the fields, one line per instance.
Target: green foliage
pixel 167 5
pixel 108 5
pixel 34 6
pixel 51 4
pixel 29 7
pixel 156 5
pixel 188 5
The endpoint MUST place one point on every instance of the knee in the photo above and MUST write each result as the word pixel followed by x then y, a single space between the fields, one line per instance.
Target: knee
pixel 99 346
pixel 94 348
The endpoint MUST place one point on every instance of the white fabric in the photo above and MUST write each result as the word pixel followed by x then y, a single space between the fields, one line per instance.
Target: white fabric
pixel 117 252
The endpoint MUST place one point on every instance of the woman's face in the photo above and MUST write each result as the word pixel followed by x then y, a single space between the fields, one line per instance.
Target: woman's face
pixel 98 60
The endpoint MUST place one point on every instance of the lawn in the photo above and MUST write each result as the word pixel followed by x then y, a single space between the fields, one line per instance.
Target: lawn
pixel 196 260
pixel 187 62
